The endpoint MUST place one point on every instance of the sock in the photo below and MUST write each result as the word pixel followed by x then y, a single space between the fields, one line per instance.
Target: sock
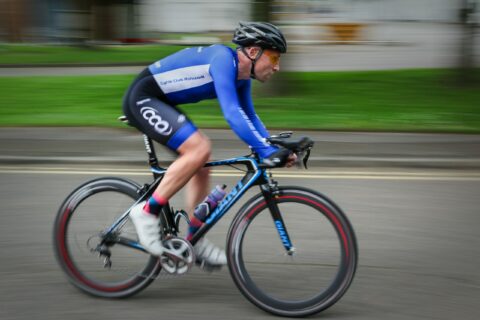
pixel 195 224
pixel 155 204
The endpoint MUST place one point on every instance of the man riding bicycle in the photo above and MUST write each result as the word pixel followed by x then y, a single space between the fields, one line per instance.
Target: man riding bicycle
pixel 192 75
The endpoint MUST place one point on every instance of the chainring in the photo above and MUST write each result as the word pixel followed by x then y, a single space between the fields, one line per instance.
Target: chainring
pixel 178 257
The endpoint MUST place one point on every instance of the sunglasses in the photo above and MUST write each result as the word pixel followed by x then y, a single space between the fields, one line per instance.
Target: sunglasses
pixel 273 57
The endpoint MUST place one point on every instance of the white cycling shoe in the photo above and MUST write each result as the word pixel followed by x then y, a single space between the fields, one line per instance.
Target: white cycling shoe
pixel 209 254
pixel 148 229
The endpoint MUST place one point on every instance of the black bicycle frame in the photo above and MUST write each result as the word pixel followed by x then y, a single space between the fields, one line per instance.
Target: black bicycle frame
pixel 256 174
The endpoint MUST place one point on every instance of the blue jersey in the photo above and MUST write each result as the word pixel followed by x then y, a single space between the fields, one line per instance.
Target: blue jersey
pixel 200 73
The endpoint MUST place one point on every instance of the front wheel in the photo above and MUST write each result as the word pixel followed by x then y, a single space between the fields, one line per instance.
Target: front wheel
pixel 313 274
pixel 93 263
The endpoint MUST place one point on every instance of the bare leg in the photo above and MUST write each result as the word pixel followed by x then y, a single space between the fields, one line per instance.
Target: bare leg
pixel 197 189
pixel 194 153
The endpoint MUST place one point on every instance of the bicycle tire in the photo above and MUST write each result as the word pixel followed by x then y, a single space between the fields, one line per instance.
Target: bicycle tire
pixel 64 251
pixel 246 258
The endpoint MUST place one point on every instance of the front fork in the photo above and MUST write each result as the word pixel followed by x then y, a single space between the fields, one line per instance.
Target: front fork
pixel 270 194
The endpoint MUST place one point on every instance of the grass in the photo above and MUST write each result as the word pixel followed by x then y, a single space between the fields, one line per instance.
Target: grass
pixel 410 100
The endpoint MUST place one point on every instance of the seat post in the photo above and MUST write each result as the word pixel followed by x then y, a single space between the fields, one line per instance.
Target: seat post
pixel 152 156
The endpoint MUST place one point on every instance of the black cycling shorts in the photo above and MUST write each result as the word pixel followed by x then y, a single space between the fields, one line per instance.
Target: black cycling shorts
pixel 147 108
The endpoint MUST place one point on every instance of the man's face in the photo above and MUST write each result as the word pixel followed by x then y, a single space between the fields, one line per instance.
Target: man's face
pixel 267 65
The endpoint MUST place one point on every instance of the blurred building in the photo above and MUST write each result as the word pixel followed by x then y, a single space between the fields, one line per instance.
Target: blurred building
pixel 131 20
pixel 373 10
pixel 193 15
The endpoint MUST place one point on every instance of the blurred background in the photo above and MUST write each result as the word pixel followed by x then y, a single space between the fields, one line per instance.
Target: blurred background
pixel 433 46
pixel 305 22
pixel 388 89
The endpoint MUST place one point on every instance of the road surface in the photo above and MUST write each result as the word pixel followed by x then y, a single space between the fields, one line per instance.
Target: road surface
pixel 417 231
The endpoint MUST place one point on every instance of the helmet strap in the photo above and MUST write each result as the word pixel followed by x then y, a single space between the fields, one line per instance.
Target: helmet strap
pixel 254 60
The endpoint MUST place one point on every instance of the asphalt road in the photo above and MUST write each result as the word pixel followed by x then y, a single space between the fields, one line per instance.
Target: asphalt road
pixel 417 231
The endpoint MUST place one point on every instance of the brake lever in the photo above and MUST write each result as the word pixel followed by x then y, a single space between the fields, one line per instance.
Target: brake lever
pixel 302 159
pixel 299 160
pixel 305 159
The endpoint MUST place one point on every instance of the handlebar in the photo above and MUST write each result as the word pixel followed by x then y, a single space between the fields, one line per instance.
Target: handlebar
pixel 300 146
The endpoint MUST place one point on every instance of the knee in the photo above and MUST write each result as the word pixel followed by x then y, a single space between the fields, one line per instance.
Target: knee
pixel 198 149
pixel 203 150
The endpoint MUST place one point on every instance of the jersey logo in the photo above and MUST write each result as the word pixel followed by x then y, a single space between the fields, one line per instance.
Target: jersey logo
pixel 183 78
pixel 181 118
pixel 161 126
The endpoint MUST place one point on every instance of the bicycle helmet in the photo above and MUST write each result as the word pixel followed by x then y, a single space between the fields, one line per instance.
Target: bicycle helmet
pixel 262 34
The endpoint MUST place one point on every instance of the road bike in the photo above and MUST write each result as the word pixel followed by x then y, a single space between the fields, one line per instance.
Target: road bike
pixel 291 251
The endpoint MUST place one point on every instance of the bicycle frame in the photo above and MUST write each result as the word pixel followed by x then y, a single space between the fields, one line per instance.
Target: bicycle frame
pixel 256 174
pixel 328 275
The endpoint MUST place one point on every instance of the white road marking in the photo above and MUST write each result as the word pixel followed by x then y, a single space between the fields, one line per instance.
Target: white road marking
pixel 447 175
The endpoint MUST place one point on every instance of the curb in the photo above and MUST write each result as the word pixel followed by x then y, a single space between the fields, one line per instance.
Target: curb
pixel 113 147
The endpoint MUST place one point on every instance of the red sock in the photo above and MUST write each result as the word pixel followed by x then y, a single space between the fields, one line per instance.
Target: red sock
pixel 195 224
pixel 155 204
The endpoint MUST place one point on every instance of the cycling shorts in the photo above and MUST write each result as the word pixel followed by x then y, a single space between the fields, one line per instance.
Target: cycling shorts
pixel 147 108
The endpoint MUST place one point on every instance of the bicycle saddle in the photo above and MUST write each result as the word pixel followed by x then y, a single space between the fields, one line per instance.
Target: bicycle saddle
pixel 124 119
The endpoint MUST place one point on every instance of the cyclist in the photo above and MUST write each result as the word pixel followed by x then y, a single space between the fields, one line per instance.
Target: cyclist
pixel 191 75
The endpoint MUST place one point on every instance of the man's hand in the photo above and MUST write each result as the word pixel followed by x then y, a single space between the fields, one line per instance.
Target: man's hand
pixel 292 159
pixel 281 158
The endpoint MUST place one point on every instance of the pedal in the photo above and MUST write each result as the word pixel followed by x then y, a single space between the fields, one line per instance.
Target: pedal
pixel 205 266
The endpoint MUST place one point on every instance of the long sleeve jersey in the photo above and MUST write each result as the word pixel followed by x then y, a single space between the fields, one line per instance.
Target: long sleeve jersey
pixel 201 73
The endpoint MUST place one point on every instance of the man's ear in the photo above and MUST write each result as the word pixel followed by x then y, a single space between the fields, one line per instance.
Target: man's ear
pixel 253 51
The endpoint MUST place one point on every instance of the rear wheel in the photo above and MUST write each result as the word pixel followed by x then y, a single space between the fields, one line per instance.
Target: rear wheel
pixel 93 263
pixel 321 267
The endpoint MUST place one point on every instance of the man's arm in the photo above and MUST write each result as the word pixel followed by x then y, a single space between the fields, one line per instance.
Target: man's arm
pixel 223 72
pixel 245 97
